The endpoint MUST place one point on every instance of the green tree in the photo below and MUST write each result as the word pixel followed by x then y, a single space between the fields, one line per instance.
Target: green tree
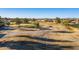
pixel 66 22
pixel 58 20
pixel 2 23
pixel 0 17
pixel 37 24
pixel 25 20
pixel 7 23
pixel 46 20
pixel 33 19
pixel 18 21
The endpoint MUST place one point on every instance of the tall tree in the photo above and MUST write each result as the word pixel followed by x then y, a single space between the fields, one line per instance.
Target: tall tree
pixel 66 22
pixel 34 19
pixel 18 21
pixel 0 17
pixel 58 20
pixel 2 23
pixel 25 20
pixel 7 23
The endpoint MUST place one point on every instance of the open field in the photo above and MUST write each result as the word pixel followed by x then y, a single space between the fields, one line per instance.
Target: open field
pixel 39 29
pixel 56 38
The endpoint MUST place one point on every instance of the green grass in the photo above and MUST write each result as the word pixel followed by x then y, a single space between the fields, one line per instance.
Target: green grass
pixel 75 25
pixel 28 25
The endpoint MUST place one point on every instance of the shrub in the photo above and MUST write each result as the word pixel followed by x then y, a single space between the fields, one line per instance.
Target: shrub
pixel 2 23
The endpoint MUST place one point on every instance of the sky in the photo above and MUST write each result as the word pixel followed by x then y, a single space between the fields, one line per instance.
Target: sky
pixel 40 12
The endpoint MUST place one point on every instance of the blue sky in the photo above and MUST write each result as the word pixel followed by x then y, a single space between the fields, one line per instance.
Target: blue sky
pixel 40 12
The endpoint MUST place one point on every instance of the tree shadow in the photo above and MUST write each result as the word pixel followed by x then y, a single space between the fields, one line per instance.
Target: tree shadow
pixel 62 32
pixel 28 45
pixel 1 35
pixel 6 28
pixel 45 39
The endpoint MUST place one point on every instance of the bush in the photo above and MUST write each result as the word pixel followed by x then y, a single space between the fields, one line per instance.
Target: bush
pixel 28 25
pixel 2 23
pixel 37 25
pixel 66 22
